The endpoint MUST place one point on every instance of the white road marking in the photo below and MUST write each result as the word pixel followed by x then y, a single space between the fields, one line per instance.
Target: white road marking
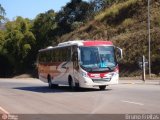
pixel 131 102
pixel 3 110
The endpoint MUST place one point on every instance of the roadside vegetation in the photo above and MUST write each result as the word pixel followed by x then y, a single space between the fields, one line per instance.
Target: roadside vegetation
pixel 122 21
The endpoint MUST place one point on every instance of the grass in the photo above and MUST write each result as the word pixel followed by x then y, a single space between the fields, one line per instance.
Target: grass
pixel 114 10
pixel 128 22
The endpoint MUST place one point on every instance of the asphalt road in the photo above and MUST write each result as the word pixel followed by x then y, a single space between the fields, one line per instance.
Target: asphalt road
pixel 31 96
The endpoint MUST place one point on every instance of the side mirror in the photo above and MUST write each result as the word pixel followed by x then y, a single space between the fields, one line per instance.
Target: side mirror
pixel 119 53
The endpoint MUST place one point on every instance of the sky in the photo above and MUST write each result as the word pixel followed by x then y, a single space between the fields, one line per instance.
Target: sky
pixel 30 8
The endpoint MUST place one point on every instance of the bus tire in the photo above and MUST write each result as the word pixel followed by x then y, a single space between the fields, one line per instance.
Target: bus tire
pixel 50 85
pixel 70 82
pixel 77 86
pixel 103 87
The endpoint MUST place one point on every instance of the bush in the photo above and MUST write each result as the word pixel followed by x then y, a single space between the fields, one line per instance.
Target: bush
pixel 128 22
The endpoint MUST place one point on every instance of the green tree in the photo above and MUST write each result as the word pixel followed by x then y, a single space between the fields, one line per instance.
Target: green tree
pixel 43 29
pixel 2 13
pixel 5 65
pixel 99 5
pixel 74 11
pixel 3 60
pixel 19 41
pixel 2 38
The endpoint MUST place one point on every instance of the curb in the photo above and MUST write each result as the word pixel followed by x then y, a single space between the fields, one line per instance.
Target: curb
pixel 151 82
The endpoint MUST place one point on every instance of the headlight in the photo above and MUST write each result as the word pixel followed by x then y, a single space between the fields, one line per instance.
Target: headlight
pixel 84 74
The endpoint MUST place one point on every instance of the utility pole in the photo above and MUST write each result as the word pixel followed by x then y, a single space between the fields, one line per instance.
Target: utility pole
pixel 143 68
pixel 149 40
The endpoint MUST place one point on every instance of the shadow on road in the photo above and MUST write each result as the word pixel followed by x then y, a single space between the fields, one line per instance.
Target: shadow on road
pixel 59 89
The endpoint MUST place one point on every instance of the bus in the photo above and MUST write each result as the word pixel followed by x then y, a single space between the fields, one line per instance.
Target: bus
pixel 79 63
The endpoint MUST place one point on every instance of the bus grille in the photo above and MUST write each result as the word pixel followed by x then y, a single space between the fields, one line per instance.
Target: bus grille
pixel 101 80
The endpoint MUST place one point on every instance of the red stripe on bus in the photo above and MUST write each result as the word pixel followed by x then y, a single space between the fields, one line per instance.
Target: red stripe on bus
pixel 95 43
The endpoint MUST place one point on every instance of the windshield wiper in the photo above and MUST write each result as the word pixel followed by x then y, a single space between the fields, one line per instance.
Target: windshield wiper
pixel 109 68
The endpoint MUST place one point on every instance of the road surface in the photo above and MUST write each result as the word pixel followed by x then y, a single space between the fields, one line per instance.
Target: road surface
pixel 31 96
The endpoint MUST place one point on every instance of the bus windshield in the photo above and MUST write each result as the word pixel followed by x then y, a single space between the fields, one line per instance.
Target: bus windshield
pixel 97 58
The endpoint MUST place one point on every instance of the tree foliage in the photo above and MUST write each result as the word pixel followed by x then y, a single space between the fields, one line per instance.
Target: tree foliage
pixel 2 13
pixel 74 11
pixel 99 5
pixel 43 29
pixel 19 41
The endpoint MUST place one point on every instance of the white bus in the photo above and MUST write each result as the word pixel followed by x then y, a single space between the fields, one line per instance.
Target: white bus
pixel 80 64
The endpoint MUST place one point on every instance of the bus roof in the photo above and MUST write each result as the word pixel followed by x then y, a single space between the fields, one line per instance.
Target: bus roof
pixel 86 43
pixel 80 43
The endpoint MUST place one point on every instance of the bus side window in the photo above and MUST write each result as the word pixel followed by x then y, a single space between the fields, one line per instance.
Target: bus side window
pixel 69 54
pixel 64 54
pixel 75 58
pixel 52 56
pixel 56 55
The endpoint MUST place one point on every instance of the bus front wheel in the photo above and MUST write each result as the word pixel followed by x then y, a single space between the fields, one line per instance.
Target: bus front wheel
pixel 102 87
pixel 50 84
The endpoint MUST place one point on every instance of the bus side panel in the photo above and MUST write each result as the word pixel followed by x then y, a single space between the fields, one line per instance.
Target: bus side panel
pixel 42 72
pixel 48 70
pixel 64 70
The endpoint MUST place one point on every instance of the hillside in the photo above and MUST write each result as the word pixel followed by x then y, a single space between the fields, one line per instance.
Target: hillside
pixel 125 24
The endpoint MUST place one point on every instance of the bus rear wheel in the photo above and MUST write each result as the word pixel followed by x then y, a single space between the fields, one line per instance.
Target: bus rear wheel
pixel 50 85
pixel 103 87
pixel 70 82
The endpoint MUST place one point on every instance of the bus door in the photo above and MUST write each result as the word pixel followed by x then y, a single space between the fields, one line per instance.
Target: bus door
pixel 75 64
